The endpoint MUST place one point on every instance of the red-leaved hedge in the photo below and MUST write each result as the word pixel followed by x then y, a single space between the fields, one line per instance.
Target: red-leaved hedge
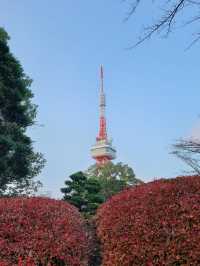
pixel 153 224
pixel 49 231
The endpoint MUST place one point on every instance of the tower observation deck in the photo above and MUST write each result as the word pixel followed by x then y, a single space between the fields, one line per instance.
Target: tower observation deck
pixel 103 151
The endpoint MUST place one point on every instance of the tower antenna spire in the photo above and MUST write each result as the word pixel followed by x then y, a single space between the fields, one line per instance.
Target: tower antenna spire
pixel 102 79
pixel 102 122
pixel 102 151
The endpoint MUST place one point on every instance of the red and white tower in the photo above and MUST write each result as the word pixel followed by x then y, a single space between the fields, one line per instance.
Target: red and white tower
pixel 103 151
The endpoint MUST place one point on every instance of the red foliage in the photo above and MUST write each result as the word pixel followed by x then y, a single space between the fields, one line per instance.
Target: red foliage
pixel 28 262
pixel 46 230
pixel 153 224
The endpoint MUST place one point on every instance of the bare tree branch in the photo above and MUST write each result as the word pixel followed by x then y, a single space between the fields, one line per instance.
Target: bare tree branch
pixel 167 19
pixel 189 152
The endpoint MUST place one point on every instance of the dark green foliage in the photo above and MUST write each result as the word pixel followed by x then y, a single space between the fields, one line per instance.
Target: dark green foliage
pixel 113 178
pixel 83 192
pixel 87 191
pixel 18 162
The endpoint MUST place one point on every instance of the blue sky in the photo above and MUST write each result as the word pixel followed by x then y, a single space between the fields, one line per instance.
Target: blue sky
pixel 152 91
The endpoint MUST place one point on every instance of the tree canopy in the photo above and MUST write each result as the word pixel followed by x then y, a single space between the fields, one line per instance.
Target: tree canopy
pixel 83 193
pixel 18 161
pixel 113 177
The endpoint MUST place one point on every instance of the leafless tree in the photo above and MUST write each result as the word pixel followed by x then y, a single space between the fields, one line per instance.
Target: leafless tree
pixel 169 15
pixel 188 150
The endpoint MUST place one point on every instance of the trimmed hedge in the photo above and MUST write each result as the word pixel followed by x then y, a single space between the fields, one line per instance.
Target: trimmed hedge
pixel 153 224
pixel 52 232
